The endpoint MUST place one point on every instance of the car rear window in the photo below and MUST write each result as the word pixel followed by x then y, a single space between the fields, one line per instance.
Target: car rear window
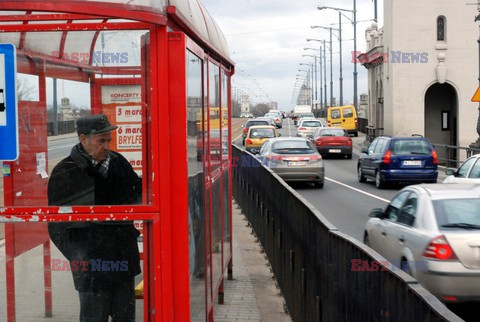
pixel 293 147
pixel 411 147
pixel 347 112
pixel 307 115
pixel 311 123
pixel 335 114
pixel 262 133
pixel 253 123
pixel 332 132
pixel 457 214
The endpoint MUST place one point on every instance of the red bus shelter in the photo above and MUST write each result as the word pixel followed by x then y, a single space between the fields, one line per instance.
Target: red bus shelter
pixel 160 70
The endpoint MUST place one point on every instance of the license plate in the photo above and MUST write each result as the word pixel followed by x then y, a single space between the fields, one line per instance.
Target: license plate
pixel 414 162
pixel 297 163
pixel 334 150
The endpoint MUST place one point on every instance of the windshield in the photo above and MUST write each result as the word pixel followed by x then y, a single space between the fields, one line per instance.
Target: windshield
pixel 293 147
pixel 262 133
pixel 252 123
pixel 311 124
pixel 458 214
pixel 409 146
pixel 332 132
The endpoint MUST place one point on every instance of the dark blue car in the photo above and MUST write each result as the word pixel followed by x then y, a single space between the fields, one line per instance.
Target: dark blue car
pixel 398 160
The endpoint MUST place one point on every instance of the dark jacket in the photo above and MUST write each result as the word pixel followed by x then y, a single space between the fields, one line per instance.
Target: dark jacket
pixel 74 182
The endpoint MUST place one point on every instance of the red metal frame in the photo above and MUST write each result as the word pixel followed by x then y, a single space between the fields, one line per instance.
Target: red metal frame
pixel 166 264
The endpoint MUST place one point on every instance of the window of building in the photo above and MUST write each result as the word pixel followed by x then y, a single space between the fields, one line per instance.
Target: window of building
pixel 441 29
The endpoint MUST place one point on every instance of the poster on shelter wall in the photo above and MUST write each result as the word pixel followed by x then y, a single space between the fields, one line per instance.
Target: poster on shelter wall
pixel 123 106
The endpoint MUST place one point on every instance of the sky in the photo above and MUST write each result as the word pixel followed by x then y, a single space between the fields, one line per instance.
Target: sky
pixel 267 40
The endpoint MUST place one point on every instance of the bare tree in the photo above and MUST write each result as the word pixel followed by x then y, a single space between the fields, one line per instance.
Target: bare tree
pixel 24 89
pixel 260 109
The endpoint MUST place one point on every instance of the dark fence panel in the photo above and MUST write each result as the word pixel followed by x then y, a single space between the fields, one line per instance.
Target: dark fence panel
pixel 362 125
pixel 64 127
pixel 312 261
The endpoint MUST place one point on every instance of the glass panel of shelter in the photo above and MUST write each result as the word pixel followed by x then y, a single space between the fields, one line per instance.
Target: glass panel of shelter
pixel 53 93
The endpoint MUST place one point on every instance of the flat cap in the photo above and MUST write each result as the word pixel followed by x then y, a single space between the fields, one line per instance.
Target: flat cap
pixel 94 124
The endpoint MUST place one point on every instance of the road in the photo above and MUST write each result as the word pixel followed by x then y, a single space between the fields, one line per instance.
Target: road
pixel 346 203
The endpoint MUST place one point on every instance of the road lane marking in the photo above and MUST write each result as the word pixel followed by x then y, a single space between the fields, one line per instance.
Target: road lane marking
pixel 62 147
pixel 358 190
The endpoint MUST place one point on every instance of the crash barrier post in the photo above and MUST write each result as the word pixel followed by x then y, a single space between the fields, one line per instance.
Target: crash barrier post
pixel 312 261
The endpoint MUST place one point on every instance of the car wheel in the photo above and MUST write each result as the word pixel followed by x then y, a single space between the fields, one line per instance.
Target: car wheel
pixel 243 142
pixel 366 241
pixel 356 134
pixel 361 177
pixel 318 184
pixel 405 266
pixel 379 182
pixel 349 156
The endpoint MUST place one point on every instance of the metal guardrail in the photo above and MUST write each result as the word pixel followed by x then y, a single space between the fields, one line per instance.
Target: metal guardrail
pixel 311 259
pixel 372 132
pixel 453 158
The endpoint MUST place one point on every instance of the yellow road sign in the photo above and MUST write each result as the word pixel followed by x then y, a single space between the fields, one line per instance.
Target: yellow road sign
pixel 476 96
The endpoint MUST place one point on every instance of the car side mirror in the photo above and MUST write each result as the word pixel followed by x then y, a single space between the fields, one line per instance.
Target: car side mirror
pixel 450 171
pixel 364 150
pixel 376 213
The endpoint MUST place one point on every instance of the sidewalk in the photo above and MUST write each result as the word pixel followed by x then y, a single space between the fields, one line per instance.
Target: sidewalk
pixel 252 294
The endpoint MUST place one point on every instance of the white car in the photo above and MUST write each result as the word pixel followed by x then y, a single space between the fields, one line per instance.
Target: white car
pixel 432 231
pixel 469 171
pixel 306 127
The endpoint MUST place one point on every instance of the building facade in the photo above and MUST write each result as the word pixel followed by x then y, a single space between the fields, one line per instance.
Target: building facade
pixel 423 71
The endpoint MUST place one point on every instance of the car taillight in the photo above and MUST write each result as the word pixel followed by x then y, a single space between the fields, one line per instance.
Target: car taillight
pixel 315 158
pixel 277 120
pixel 356 122
pixel 319 142
pixel 302 128
pixel 435 157
pixel 245 130
pixel 329 124
pixel 387 158
pixel 349 142
pixel 249 141
pixel 438 248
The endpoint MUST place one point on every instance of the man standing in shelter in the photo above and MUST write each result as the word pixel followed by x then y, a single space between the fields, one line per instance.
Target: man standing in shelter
pixel 94 175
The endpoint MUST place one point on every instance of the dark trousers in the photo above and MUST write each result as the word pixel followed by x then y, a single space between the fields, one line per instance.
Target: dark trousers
pixel 118 302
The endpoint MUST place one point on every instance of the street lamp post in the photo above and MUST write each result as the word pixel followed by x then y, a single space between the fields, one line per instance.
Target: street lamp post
pixel 310 71
pixel 314 79
pixel 354 22
pixel 319 84
pixel 323 98
pixel 339 37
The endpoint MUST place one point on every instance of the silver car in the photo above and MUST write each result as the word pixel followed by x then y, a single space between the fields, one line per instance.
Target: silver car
pixel 469 171
pixel 294 159
pixel 306 127
pixel 432 231
pixel 277 119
